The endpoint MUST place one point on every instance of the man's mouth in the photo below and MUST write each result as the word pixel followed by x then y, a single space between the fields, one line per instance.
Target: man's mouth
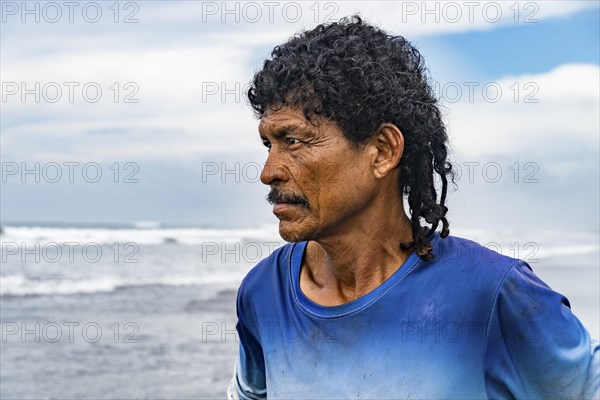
pixel 292 202
pixel 281 199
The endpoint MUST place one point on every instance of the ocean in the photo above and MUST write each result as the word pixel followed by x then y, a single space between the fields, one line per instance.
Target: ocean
pixel 144 311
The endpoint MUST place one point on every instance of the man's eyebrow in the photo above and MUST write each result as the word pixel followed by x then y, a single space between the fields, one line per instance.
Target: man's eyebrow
pixel 280 131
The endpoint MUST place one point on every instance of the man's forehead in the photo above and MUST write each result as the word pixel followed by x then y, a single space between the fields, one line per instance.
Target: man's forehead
pixel 283 119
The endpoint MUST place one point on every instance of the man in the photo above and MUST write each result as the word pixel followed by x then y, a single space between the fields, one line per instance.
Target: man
pixel 365 302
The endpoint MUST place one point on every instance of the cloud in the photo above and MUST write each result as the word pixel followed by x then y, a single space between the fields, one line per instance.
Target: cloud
pixel 187 100
pixel 190 86
pixel 527 111
pixel 531 157
pixel 270 22
pixel 187 70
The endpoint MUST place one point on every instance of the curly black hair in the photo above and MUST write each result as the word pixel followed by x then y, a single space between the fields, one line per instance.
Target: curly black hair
pixel 360 77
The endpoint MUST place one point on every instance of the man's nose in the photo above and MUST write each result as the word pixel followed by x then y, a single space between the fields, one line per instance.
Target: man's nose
pixel 273 171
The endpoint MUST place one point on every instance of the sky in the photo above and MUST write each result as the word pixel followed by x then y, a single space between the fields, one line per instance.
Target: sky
pixel 114 112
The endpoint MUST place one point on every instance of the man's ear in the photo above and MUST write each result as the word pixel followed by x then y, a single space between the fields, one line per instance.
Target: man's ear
pixel 387 147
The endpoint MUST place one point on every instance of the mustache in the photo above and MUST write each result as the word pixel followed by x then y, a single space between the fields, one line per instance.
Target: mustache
pixel 276 195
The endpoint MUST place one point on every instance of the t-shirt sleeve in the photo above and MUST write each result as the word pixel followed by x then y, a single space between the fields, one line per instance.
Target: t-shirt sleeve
pixel 535 347
pixel 249 379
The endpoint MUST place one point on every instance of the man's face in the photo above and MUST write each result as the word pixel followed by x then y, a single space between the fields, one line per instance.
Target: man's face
pixel 319 182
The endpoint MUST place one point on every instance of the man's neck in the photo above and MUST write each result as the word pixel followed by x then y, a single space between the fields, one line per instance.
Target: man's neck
pixel 341 268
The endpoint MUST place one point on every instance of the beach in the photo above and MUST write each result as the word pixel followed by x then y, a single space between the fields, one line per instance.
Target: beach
pixel 152 314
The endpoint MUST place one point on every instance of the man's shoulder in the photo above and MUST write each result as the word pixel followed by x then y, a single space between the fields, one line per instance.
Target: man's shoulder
pixel 471 273
pixel 464 256
pixel 267 272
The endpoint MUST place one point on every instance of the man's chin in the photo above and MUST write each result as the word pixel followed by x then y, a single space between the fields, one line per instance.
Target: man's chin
pixel 293 232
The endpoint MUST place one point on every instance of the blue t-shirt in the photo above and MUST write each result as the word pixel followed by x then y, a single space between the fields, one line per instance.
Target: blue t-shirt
pixel 471 323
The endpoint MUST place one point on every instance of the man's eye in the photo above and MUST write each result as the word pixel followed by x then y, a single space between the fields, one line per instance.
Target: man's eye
pixel 267 144
pixel 292 140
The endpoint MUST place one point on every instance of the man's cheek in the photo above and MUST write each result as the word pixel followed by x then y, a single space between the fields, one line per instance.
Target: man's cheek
pixel 312 193
pixel 328 173
pixel 298 172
